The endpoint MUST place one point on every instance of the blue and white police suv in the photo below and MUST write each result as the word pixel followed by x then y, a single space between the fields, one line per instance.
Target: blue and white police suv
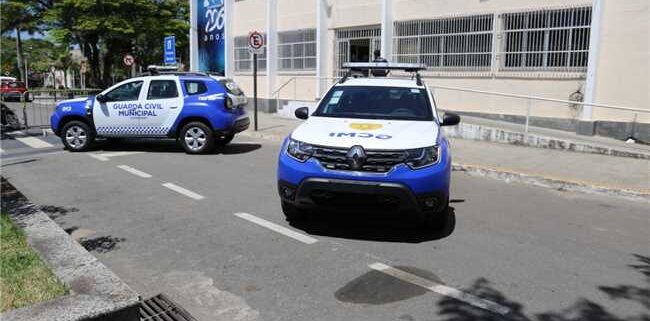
pixel 371 144
pixel 200 110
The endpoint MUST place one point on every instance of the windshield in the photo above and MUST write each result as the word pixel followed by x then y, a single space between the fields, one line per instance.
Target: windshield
pixel 373 102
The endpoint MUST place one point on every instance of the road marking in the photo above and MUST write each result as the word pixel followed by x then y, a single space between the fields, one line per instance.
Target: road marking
pixel 183 191
pixel 277 228
pixel 116 154
pixel 134 171
pixel 34 142
pixel 1 150
pixel 98 157
pixel 104 157
pixel 440 289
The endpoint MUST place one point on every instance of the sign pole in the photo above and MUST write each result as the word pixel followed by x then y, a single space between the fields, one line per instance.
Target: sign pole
pixel 255 89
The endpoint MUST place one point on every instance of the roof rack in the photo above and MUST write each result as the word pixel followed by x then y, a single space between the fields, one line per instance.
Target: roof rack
pixel 154 70
pixel 369 66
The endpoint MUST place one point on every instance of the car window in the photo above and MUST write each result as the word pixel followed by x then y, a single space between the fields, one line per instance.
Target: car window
pixel 195 87
pixel 127 92
pixel 374 102
pixel 162 89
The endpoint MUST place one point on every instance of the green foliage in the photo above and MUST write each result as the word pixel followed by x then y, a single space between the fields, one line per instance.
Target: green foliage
pixel 113 28
pixel 104 30
pixel 24 279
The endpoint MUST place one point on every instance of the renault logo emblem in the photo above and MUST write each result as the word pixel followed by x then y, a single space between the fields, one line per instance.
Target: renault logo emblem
pixel 356 157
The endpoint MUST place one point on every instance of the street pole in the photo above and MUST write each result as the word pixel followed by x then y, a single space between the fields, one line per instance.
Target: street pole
pixel 255 89
pixel 26 75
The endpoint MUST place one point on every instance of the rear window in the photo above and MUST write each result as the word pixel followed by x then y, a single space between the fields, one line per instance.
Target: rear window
pixel 162 89
pixel 195 87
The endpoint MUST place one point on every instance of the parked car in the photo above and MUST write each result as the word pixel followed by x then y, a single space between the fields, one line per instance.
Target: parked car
pixel 371 144
pixel 198 109
pixel 12 90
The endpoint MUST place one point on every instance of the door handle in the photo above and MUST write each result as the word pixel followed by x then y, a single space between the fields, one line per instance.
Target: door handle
pixel 173 107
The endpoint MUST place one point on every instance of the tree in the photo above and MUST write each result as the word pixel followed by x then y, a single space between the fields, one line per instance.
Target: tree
pixel 106 30
pixel 22 16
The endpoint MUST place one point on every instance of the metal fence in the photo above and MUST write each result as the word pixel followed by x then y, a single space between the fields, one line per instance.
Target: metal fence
pixel 35 112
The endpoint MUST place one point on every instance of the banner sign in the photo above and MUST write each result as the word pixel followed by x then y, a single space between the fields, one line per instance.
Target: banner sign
pixel 211 21
pixel 170 50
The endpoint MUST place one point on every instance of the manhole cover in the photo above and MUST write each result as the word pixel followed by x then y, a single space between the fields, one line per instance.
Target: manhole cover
pixel 161 308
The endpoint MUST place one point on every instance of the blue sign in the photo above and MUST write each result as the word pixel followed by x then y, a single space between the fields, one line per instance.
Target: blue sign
pixel 170 50
pixel 211 22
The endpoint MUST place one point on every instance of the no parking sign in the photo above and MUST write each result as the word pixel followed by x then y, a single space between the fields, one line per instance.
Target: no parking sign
pixel 255 42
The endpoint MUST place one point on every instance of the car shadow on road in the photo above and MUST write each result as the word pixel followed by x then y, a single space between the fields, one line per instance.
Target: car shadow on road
pixel 372 226
pixel 169 146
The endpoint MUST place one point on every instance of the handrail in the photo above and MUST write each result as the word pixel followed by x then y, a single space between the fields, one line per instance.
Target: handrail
pixel 542 99
pixel 608 106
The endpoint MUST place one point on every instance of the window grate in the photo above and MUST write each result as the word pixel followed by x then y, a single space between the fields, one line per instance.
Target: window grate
pixel 454 44
pixel 546 40
pixel 297 50
pixel 244 59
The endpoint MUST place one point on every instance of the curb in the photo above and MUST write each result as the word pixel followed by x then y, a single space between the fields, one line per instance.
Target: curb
pixel 497 135
pixel 553 183
pixel 509 175
pixel 96 293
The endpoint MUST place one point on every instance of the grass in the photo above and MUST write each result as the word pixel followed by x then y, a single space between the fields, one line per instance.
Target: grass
pixel 24 278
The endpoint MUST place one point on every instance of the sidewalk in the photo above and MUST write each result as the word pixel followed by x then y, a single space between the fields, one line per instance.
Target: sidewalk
pixel 551 168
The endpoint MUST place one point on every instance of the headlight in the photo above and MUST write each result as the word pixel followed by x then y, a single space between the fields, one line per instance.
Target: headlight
pixel 229 103
pixel 299 150
pixel 422 157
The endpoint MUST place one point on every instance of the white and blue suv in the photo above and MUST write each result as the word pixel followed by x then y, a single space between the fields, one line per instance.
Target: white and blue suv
pixel 200 110
pixel 371 144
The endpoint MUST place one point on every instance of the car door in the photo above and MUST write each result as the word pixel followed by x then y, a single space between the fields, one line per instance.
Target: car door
pixel 117 114
pixel 162 105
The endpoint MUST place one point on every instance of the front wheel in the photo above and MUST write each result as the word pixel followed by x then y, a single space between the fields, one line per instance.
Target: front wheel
pixel 77 136
pixel 197 138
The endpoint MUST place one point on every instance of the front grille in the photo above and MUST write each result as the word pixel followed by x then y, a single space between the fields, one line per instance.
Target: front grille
pixel 376 161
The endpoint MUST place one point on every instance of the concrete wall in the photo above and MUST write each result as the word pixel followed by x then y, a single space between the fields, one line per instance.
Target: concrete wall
pixel 623 76
pixel 623 67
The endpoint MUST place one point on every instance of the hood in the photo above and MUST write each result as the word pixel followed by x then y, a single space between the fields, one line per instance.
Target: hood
pixel 369 133
pixel 76 100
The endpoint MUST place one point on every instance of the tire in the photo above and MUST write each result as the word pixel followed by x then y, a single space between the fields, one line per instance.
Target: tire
pixel 292 213
pixel 77 136
pixel 224 140
pixel 197 138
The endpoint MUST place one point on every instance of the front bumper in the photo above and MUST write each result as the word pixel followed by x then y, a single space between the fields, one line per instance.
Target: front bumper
pixel 309 184
pixel 359 195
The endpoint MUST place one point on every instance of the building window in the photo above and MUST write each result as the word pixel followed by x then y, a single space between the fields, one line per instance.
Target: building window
pixel 244 59
pixel 546 40
pixel 462 43
pixel 297 50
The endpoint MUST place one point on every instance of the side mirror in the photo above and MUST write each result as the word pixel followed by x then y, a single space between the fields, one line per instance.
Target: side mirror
pixel 302 113
pixel 450 119
pixel 101 98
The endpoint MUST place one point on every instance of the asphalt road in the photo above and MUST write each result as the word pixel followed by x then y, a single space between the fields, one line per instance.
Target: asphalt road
pixel 510 252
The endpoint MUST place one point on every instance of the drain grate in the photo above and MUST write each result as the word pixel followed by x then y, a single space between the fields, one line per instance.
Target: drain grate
pixel 161 308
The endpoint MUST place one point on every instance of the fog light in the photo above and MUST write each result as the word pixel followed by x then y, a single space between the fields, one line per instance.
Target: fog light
pixel 430 202
pixel 287 192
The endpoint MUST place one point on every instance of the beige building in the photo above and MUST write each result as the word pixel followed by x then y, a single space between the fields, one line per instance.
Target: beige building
pixel 476 50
